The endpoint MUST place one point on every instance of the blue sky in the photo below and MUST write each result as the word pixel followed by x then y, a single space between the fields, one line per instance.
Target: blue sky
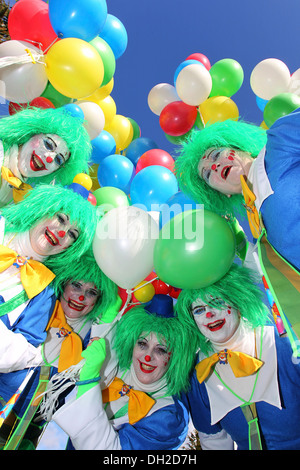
pixel 162 33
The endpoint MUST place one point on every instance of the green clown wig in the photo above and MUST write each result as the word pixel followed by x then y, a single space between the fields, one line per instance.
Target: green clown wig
pixel 45 201
pixel 237 288
pixel 179 340
pixel 231 134
pixel 21 126
pixel 87 270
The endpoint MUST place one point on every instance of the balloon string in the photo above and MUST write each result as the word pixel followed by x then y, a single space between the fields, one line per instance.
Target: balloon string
pixel 145 284
pixel 50 45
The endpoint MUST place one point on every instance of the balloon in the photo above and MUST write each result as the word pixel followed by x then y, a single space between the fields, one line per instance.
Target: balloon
pixel 109 108
pixel 193 84
pixel 22 82
pixel 109 197
pixel 101 92
pixel 218 108
pixel 178 140
pixel 115 34
pixel 269 78
pixel 117 171
pixel 294 86
pixel 161 95
pixel 177 118
pixel 181 66
pixel 84 180
pixel 176 204
pixel 74 67
pixel 195 249
pixel 279 106
pixel 107 56
pixel 74 110
pixel 138 147
pixel 121 130
pixel 201 58
pixel 55 97
pixel 161 287
pixel 29 21
pixel 78 19
pixel 92 199
pixel 94 117
pixel 227 77
pixel 153 186
pixel 14 108
pixel 261 103
pixel 41 102
pixel 144 293
pixel 155 157
pixel 102 146
pixel 136 128
pixel 123 245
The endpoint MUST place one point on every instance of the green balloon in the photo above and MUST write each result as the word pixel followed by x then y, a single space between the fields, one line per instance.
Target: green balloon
pixel 194 249
pixel 55 97
pixel 280 105
pixel 109 197
pixel 136 128
pixel 107 56
pixel 227 77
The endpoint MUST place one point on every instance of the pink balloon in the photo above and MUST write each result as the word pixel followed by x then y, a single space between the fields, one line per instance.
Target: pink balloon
pixel 155 157
pixel 201 58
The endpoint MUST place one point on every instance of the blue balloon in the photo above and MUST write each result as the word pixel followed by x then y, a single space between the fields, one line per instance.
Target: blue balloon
pixel 74 110
pixel 117 171
pixel 153 186
pixel 261 103
pixel 138 147
pixel 115 34
pixel 102 146
pixel 176 204
pixel 183 64
pixel 78 19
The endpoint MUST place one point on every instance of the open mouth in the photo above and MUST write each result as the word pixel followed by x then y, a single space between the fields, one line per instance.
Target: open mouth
pixel 51 238
pixel 146 368
pixel 225 172
pixel 75 305
pixel 36 163
pixel 217 325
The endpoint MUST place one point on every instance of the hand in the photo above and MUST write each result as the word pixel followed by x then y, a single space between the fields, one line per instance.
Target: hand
pixel 94 357
pixel 112 311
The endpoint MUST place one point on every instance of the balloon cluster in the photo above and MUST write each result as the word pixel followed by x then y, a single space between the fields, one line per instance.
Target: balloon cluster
pixel 277 91
pixel 201 95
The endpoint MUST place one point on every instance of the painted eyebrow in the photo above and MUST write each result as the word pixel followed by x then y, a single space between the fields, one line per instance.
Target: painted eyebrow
pixel 197 306
pixel 50 138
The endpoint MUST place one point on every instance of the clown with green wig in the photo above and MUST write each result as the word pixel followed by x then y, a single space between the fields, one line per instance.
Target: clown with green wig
pixel 47 232
pixel 235 168
pixel 245 386
pixel 139 409
pixel 39 146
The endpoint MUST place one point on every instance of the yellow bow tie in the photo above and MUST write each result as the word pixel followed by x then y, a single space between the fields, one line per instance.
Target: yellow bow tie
pixel 252 212
pixel 241 364
pixel 8 176
pixel 71 348
pixel 139 403
pixel 35 277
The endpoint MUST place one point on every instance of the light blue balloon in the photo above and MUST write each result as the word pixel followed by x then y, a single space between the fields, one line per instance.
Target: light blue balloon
pixel 117 171
pixel 176 204
pixel 261 103
pixel 115 34
pixel 102 146
pixel 153 186
pixel 138 147
pixel 77 18
pixel 184 64
pixel 74 110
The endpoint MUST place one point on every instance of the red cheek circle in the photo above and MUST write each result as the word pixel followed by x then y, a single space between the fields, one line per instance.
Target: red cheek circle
pixel 230 157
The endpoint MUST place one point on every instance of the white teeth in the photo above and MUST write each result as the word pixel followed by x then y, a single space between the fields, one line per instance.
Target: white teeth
pixel 216 324
pixel 49 235
pixel 37 163
pixel 147 367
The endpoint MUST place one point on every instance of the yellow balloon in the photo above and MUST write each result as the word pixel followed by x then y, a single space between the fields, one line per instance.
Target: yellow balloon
pixel 145 293
pixel 93 171
pixel 218 108
pixel 101 92
pixel 122 131
pixel 108 107
pixel 264 125
pixel 84 180
pixel 74 67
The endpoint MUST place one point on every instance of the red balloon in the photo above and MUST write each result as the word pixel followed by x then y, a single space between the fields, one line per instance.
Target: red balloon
pixel 201 58
pixel 161 287
pixel 29 21
pixel 92 199
pixel 41 102
pixel 155 157
pixel 177 118
pixel 13 108
pixel 174 292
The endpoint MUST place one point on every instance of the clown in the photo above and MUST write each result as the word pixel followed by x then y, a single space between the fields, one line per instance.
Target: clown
pixel 245 386
pixel 39 146
pixel 50 229
pixel 139 410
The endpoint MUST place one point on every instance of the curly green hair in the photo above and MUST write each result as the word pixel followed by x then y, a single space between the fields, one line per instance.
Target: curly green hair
pixel 231 134
pixel 179 340
pixel 21 126
pixel 237 288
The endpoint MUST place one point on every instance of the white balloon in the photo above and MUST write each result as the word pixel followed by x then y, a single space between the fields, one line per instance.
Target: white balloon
pixel 21 82
pixel 194 84
pixel 269 78
pixel 124 243
pixel 161 95
pixel 295 83
pixel 93 116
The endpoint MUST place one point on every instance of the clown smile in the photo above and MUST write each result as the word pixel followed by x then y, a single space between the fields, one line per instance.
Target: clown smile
pixel 51 238
pixel 36 163
pixel 75 305
pixel 146 368
pixel 217 325
pixel 225 172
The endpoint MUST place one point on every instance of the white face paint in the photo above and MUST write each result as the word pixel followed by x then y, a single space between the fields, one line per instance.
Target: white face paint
pixel 221 169
pixel 42 154
pixel 217 323
pixel 52 236
pixel 79 298
pixel 150 359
